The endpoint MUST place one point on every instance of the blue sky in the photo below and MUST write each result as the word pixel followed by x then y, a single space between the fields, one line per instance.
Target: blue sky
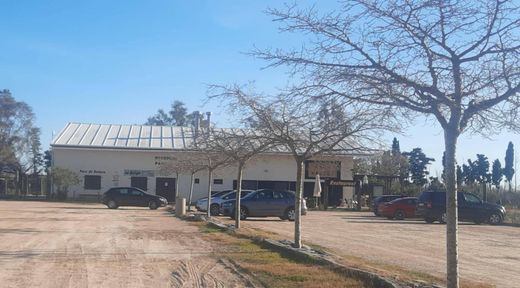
pixel 119 61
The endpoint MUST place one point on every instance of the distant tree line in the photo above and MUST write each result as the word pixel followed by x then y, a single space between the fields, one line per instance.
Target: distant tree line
pixel 410 169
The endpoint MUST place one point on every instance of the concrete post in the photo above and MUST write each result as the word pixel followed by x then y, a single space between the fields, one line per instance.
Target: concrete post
pixel 180 207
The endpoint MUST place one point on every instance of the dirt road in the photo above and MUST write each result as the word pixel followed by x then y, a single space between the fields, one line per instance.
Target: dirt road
pixel 489 254
pixel 82 245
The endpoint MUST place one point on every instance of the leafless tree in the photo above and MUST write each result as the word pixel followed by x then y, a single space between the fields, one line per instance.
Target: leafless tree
pixel 209 158
pixel 306 128
pixel 185 163
pixel 239 145
pixel 454 61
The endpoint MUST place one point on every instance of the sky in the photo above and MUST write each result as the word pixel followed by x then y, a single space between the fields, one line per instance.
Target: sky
pixel 119 61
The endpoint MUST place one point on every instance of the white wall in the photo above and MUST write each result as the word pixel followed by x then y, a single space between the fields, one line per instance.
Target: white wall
pixel 110 165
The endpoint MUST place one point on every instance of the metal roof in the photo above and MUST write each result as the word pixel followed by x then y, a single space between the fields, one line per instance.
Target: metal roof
pixel 121 136
pixel 140 137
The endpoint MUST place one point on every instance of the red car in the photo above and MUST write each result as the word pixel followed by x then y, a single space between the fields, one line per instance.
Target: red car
pixel 399 208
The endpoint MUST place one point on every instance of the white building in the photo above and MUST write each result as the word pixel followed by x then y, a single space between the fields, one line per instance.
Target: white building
pixel 131 155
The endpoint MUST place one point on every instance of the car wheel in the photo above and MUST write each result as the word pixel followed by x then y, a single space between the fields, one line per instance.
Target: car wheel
pixel 112 204
pixel 495 219
pixel 290 214
pixel 153 205
pixel 243 213
pixel 429 220
pixel 214 209
pixel 399 214
pixel 444 218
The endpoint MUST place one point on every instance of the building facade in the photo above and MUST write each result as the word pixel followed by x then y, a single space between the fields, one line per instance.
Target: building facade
pixel 108 156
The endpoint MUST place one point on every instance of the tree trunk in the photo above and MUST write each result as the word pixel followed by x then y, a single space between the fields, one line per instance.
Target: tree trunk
pixel 191 191
pixel 239 193
pixel 326 195
pixel 484 192
pixel 450 138
pixel 176 186
pixel 210 176
pixel 298 204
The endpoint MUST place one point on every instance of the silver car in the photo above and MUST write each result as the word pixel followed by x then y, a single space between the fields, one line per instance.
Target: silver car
pixel 202 204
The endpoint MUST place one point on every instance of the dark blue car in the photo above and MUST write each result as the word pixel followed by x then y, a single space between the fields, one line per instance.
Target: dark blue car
pixel 264 203
pixel 432 207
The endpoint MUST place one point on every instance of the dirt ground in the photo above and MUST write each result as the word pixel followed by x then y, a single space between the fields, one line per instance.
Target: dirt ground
pixel 88 245
pixel 489 254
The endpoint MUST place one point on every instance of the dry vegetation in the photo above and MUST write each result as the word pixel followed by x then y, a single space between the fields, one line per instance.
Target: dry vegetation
pixel 512 216
pixel 274 268
pixel 383 269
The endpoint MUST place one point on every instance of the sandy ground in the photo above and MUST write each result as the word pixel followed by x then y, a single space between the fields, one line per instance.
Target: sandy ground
pixel 88 245
pixel 487 253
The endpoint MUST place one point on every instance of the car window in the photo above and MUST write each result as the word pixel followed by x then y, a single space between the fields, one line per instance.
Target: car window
pixel 264 195
pixel 229 196
pixel 471 198
pixel 123 191
pixel 136 192
pixel 278 195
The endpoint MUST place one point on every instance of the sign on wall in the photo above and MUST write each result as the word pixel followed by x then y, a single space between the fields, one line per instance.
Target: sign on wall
pixel 326 169
pixel 144 173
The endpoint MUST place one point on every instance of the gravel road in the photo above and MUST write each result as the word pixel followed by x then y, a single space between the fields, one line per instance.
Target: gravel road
pixel 489 254
pixel 87 245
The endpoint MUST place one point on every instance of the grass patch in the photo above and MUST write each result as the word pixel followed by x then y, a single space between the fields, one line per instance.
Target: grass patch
pixel 274 268
pixel 383 269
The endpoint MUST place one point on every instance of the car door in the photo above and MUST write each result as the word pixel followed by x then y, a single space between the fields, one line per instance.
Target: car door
pixel 279 203
pixel 470 208
pixel 137 198
pixel 122 197
pixel 261 203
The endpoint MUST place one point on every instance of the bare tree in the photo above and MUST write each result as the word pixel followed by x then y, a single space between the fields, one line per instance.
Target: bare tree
pixel 209 158
pixel 306 129
pixel 239 145
pixel 455 61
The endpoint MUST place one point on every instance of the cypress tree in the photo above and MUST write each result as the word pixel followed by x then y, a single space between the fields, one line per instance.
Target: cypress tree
pixel 509 171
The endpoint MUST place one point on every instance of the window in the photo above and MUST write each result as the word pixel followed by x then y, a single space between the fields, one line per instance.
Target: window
pixel 197 181
pixel 139 182
pixel 471 198
pixel 136 192
pixel 218 181
pixel 123 191
pixel 264 195
pixel 92 182
pixel 278 195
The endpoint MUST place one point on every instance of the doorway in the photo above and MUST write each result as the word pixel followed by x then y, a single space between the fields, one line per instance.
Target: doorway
pixel 165 187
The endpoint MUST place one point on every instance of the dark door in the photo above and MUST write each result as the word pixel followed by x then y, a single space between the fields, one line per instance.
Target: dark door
pixel 139 182
pixel 165 187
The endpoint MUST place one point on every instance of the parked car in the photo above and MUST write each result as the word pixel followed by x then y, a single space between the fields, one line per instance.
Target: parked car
pixel 130 196
pixel 383 199
pixel 217 199
pixel 432 207
pixel 264 203
pixel 399 208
